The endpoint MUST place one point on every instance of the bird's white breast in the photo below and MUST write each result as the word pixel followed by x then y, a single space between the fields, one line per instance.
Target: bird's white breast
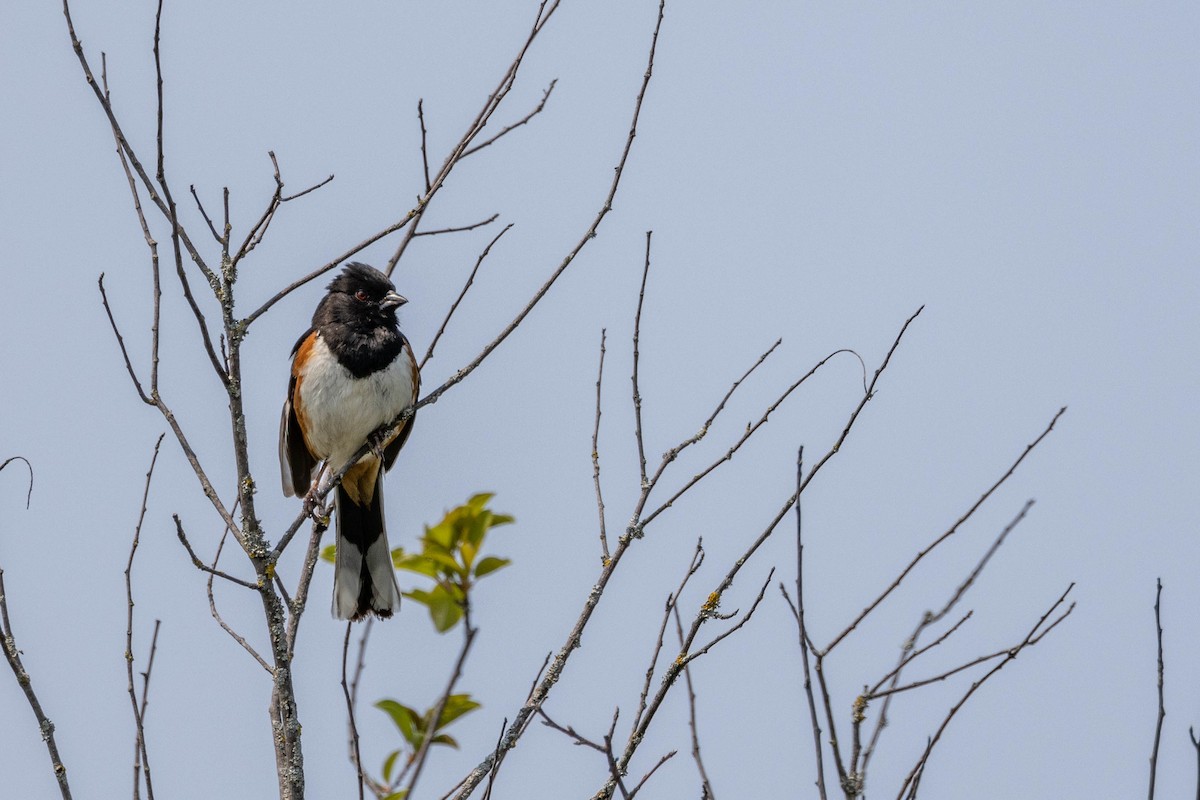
pixel 342 410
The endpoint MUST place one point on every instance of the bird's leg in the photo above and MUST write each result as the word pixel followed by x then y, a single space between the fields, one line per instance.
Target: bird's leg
pixel 311 506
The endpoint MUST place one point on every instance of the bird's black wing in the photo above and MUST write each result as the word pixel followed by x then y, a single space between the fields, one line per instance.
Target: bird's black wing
pixel 296 462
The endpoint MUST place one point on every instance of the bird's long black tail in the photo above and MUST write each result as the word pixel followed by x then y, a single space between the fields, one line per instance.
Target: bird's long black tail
pixel 363 579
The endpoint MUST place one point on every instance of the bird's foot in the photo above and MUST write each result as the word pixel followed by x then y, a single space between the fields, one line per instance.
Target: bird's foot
pixel 377 441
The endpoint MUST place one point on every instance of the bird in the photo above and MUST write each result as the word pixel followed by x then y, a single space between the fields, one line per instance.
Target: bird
pixel 353 371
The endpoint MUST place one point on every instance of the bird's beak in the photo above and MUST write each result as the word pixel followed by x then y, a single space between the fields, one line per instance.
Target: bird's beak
pixel 393 300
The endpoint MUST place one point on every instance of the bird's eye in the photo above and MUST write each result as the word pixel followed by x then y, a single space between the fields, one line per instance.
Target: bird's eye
pixel 360 296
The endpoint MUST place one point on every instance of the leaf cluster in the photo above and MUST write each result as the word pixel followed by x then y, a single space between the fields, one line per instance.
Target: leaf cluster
pixel 451 555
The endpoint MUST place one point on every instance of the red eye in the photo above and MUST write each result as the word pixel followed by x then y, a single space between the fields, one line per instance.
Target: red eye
pixel 360 296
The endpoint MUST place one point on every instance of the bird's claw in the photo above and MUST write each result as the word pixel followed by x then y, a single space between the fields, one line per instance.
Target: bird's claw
pixel 377 441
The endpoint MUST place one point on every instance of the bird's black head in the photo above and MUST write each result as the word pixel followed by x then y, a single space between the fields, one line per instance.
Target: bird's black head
pixel 361 298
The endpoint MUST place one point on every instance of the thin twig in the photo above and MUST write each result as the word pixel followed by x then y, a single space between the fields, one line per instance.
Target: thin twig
pixel 13 656
pixel 509 128
pixel 200 565
pixel 648 775
pixel 454 306
pixel 637 393
pixel 199 207
pixel 911 655
pixel 588 235
pixel 141 759
pixel 140 747
pixel 356 753
pixel 137 384
pixel 487 794
pixel 545 10
pixel 1196 745
pixel 28 466
pixel 943 537
pixel 803 630
pixel 671 604
pixel 212 608
pixel 613 769
pixel 296 607
pixel 910 650
pixel 706 791
pixel 424 148
pixel 460 228
pixel 729 454
pixel 566 730
pixel 604 555
pixel 1031 639
pixel 1162 711
pixel 435 718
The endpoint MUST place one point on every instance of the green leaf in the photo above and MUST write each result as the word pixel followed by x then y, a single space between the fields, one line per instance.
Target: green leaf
pixel 456 706
pixel 400 795
pixel 405 718
pixel 329 553
pixel 445 739
pixel 490 564
pixel 442 560
pixel 502 519
pixel 475 527
pixel 469 550
pixel 389 764
pixel 441 534
pixel 480 500
pixel 444 610
pixel 414 563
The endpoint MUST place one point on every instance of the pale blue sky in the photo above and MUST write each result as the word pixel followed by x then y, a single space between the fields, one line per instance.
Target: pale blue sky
pixel 1027 171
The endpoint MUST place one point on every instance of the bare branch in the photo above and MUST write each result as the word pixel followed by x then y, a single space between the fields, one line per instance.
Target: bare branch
pixel 435 718
pixel 137 384
pixel 730 631
pixel 706 792
pixel 588 235
pixel 28 466
pixel 487 794
pixel 212 608
pixel 424 148
pixel 296 607
pixel 637 393
pixel 798 610
pixel 289 198
pixel 568 731
pixel 13 656
pixel 355 752
pixel 545 10
pixel 614 770
pixel 139 746
pixel 200 565
pixel 509 128
pixel 199 207
pixel 950 532
pixel 728 455
pixel 466 287
pixel 459 229
pixel 909 652
pixel 604 557
pixel 911 655
pixel 674 452
pixel 1162 712
pixel 671 605
pixel 1032 638
pixel 1196 745
pixel 141 759
pixel 649 774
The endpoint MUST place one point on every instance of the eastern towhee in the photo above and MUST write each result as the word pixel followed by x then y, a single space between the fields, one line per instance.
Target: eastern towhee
pixel 352 372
